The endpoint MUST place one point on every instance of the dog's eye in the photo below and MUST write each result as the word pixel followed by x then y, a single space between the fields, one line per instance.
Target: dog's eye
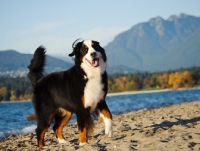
pixel 84 50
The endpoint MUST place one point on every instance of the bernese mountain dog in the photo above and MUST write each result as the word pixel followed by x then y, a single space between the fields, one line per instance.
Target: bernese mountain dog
pixel 80 90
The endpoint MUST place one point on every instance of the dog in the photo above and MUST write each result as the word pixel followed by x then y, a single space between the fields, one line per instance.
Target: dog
pixel 80 90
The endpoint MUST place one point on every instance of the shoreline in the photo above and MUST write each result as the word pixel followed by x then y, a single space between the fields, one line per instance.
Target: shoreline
pixel 174 127
pixel 149 91
pixel 16 101
pixel 125 93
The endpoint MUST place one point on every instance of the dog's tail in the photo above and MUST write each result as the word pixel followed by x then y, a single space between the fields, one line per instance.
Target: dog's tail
pixel 36 66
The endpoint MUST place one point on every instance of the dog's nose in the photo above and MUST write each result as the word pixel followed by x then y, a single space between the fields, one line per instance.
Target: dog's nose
pixel 93 54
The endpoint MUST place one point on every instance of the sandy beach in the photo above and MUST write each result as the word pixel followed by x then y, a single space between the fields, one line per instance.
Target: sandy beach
pixel 175 127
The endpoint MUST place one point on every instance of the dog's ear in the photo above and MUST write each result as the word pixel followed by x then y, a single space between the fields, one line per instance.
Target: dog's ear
pixel 96 42
pixel 72 54
pixel 76 47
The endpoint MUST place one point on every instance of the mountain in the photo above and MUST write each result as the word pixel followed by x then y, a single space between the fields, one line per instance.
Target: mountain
pixel 13 62
pixel 156 45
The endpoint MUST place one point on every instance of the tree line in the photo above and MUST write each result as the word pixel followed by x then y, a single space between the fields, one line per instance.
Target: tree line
pixel 182 78
pixel 20 88
pixel 12 89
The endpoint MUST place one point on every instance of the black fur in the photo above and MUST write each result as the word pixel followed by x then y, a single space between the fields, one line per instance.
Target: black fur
pixel 63 89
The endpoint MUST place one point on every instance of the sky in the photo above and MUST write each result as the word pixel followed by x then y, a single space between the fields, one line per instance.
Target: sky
pixel 27 24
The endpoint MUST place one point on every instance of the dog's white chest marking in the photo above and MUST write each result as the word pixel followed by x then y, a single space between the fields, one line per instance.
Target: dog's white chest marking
pixel 93 92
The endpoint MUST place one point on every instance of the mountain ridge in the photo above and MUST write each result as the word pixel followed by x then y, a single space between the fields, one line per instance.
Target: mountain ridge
pixel 140 47
pixel 155 45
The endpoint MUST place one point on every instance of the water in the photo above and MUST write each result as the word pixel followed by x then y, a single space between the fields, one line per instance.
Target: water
pixel 13 115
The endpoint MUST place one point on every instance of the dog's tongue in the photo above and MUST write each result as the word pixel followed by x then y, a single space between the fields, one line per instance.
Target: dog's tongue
pixel 95 63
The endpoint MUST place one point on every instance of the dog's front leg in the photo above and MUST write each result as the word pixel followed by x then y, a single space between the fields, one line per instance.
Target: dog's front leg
pixel 104 113
pixel 82 136
pixel 82 130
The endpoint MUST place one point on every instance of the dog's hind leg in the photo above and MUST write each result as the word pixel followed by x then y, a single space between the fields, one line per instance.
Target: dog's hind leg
pixel 104 113
pixel 42 127
pixel 61 120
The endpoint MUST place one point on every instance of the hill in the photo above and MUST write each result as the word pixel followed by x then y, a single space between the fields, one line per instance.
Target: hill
pixel 14 63
pixel 156 45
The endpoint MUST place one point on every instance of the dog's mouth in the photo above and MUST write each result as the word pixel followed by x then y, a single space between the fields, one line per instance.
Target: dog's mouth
pixel 94 62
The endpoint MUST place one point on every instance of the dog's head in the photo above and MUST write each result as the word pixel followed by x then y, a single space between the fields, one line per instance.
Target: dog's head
pixel 88 52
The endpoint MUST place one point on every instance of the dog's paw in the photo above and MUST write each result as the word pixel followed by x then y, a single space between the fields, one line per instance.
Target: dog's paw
pixel 108 127
pixel 109 132
pixel 62 141
pixel 44 147
pixel 82 144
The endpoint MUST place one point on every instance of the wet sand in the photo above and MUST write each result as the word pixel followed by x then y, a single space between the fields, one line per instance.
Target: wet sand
pixel 175 127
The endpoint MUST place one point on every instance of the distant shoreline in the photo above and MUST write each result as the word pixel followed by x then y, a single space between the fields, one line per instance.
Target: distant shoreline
pixel 125 93
pixel 148 91
pixel 16 101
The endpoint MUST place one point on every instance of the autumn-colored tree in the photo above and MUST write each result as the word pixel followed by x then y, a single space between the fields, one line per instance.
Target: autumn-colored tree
pixel 2 93
pixel 27 96
pixel 21 97
pixel 120 83
pixel 171 79
pixel 174 80
pixel 13 96
pixel 162 80
pixel 124 79
pixel 187 79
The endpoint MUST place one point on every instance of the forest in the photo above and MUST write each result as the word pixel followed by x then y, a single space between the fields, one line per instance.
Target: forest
pixel 20 88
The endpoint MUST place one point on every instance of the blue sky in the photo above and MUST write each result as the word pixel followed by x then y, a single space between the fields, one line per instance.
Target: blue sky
pixel 26 24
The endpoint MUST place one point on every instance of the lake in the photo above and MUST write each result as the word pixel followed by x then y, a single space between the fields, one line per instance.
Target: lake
pixel 13 115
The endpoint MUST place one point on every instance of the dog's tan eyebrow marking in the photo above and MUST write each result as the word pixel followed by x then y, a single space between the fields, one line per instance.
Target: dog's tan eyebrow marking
pixel 85 46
